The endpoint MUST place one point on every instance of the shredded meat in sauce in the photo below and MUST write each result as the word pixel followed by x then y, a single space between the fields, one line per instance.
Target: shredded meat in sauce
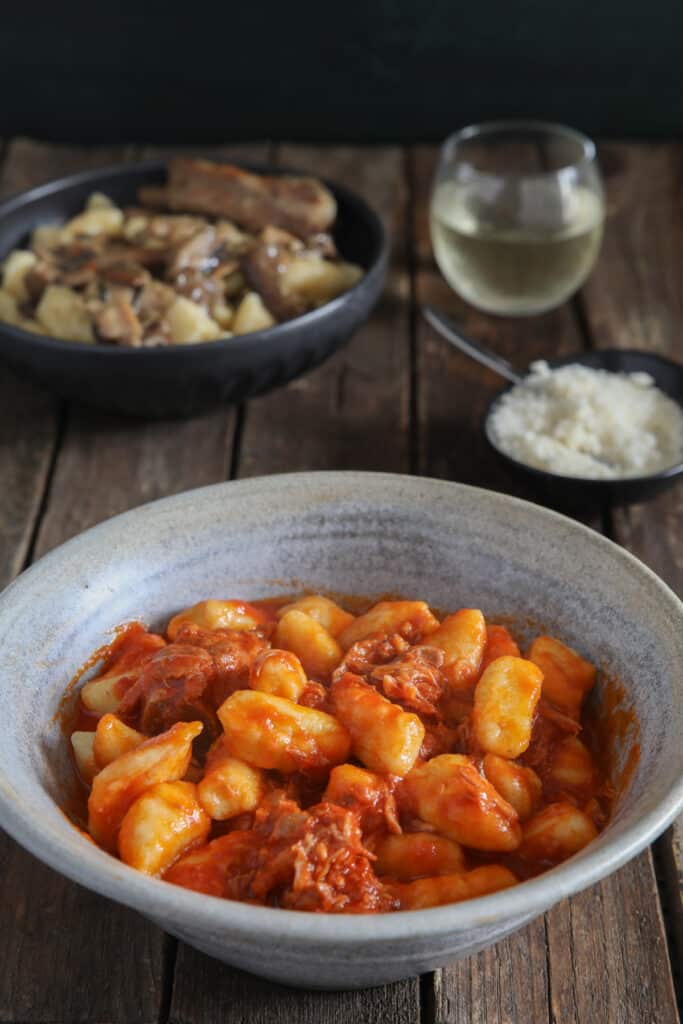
pixel 329 782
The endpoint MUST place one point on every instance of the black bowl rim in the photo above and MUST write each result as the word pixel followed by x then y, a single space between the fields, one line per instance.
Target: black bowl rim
pixel 668 473
pixel 236 342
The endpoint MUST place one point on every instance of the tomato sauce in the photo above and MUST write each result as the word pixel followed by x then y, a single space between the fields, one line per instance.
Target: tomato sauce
pixel 297 840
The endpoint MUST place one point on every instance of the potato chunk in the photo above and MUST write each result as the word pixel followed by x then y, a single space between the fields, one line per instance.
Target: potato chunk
pixel 162 824
pixel 318 652
pixel 46 236
pixel 188 323
pixel 517 784
pixel 278 672
pixel 462 638
pixel 251 315
pixel 323 610
pixel 417 855
pixel 390 617
pixel 14 270
pixel 434 892
pixel 567 678
pixel 9 310
pixel 216 614
pixel 99 201
pixel 114 738
pixel 163 758
pixel 449 793
pixel 95 220
pixel 384 736
pixel 63 313
pixel 317 280
pixel 556 833
pixel 229 786
pixel 274 733
pixel 505 700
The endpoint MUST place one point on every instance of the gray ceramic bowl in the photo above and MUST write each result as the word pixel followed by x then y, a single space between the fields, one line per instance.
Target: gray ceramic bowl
pixel 352 532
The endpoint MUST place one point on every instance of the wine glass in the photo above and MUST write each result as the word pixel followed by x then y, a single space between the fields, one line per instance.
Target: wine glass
pixel 517 212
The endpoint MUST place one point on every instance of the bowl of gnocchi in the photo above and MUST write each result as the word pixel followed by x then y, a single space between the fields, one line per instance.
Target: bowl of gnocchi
pixel 161 289
pixel 364 724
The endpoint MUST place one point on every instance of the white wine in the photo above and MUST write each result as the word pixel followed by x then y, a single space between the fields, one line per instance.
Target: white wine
pixel 520 253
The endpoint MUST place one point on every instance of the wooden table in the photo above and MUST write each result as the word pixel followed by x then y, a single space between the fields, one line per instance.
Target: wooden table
pixel 396 399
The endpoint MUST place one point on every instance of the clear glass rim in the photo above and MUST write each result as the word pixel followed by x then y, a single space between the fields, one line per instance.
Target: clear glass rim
pixel 517 126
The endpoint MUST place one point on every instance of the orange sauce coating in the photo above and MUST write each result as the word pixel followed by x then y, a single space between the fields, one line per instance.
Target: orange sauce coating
pixel 327 861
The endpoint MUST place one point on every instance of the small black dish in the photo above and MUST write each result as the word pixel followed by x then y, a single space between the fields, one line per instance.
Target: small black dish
pixel 181 380
pixel 581 491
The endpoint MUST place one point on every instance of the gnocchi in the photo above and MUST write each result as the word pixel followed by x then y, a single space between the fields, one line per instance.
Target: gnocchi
pixel 215 614
pixel 390 617
pixel 274 733
pixel 323 610
pixel 461 804
pixel 82 744
pixel 516 783
pixel 412 855
pixel 572 769
pixel 567 677
pixel 163 823
pixel 505 700
pixel 293 754
pixel 384 737
pixel 229 786
pixel 555 833
pixel 317 649
pixel 112 738
pixel 280 673
pixel 466 885
pixel 163 758
pixel 462 638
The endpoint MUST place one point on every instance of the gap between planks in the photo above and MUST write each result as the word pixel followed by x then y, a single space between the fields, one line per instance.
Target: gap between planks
pixel 577 990
pixel 332 418
pixel 491 965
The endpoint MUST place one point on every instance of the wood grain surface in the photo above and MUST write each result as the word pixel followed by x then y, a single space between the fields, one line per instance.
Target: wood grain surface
pixel 397 398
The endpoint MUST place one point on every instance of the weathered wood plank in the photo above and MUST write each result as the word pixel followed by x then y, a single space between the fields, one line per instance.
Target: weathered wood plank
pixel 505 983
pixel 354 410
pixel 206 992
pixel 634 300
pixel 105 465
pixel 350 413
pixel 453 394
pixel 60 946
pixel 28 427
pixel 608 956
pixel 108 465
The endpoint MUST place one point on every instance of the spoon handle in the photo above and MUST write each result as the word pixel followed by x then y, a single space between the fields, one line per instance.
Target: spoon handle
pixel 474 349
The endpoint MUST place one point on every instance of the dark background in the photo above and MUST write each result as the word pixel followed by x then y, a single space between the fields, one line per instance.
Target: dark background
pixel 402 70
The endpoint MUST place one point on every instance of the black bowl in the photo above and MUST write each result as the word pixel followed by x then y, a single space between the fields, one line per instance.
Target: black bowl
pixel 186 379
pixel 579 492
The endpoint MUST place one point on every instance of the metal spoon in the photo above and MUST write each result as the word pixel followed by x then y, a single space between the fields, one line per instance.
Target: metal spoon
pixel 474 349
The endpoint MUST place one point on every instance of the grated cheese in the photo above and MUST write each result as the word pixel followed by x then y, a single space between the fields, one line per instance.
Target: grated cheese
pixel 581 422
